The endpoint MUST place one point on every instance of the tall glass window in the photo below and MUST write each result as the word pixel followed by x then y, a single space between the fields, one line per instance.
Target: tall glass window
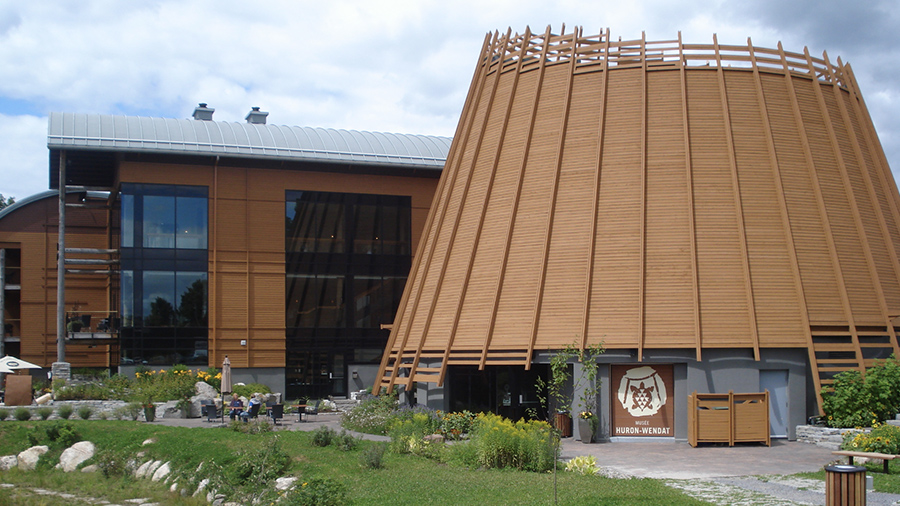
pixel 347 257
pixel 164 232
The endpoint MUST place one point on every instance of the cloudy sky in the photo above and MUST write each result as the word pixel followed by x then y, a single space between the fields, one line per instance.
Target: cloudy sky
pixel 382 65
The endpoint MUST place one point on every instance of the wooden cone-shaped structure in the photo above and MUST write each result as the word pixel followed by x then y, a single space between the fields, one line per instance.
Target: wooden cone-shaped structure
pixel 654 195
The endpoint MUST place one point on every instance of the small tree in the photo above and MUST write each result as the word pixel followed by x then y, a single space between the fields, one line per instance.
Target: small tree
pixel 554 395
pixel 6 202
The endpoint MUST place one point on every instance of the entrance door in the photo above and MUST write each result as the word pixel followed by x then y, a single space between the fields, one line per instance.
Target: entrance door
pixel 776 382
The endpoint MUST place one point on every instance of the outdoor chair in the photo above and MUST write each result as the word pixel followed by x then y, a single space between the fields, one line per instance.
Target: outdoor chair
pixel 253 412
pixel 276 412
pixel 312 410
pixel 208 409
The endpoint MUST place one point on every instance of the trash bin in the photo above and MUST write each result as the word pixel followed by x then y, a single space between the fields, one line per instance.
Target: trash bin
pixel 845 485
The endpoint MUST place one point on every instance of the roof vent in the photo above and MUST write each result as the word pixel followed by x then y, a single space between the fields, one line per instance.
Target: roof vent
pixel 256 117
pixel 203 113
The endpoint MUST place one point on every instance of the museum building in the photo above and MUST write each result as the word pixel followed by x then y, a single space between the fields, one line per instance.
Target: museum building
pixel 186 240
pixel 718 217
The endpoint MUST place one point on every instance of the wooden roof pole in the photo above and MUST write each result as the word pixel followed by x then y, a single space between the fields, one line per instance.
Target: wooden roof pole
pixel 642 289
pixel 689 183
pixel 738 203
pixel 820 204
pixel 468 273
pixel 848 189
pixel 785 217
pixel 542 65
pixel 560 146
pixel 595 204
pixel 446 184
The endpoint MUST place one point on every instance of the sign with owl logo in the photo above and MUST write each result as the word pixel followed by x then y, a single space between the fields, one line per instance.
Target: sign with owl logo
pixel 642 406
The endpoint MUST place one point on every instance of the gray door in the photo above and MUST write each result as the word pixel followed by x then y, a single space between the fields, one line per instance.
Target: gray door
pixel 776 382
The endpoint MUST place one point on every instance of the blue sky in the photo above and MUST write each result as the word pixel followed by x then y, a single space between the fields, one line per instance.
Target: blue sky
pixel 395 66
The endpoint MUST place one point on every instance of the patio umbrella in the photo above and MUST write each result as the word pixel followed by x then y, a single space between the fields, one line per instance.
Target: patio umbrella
pixel 11 362
pixel 226 382
pixel 4 369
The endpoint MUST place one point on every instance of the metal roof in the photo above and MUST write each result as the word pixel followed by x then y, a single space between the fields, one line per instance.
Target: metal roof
pixel 195 137
pixel 46 194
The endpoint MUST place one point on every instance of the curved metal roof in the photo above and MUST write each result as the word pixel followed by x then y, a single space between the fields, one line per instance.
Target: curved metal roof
pixel 189 136
pixel 46 194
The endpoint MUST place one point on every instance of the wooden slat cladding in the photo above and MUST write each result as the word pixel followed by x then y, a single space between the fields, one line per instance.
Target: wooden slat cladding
pixel 653 195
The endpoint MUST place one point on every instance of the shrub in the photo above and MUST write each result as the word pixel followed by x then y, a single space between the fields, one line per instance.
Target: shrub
pixel 586 465
pixel 63 433
pixel 65 411
pixel 111 464
pixel 255 426
pixel 250 389
pixel 373 456
pixel 259 464
pixel 85 412
pixel 882 439
pixel 323 436
pixel 318 492
pixel 45 412
pixel 855 401
pixel 523 445
pixel 22 414
pixel 4 414
pixel 133 410
pixel 456 425
pixel 83 391
pixel 345 441
pixel 372 416
pixel 408 436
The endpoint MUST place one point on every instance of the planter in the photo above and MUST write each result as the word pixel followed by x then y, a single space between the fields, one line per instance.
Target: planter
pixel 564 424
pixel 150 414
pixel 585 430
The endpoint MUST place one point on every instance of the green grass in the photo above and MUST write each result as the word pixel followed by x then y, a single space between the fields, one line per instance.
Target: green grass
pixel 405 479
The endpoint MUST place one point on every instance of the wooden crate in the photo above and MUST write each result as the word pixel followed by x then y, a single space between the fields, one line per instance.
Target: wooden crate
pixel 728 418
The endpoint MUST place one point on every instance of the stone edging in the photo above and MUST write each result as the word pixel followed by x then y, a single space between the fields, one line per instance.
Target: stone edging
pixel 826 437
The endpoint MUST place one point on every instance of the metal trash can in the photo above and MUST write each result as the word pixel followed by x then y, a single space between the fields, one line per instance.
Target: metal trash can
pixel 845 485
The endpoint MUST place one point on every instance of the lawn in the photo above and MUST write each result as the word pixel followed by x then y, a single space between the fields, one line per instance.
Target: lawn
pixel 405 479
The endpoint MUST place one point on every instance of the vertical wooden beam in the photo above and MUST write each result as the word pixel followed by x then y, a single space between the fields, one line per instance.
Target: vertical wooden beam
pixel 738 203
pixel 785 219
pixel 61 265
pixel 560 147
pixel 820 205
pixel 510 226
pixel 689 183
pixel 213 300
pixel 436 214
pixel 595 203
pixel 480 228
pixel 848 188
pixel 642 288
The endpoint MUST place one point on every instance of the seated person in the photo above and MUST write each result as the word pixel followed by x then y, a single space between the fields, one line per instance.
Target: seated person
pixel 252 408
pixel 236 405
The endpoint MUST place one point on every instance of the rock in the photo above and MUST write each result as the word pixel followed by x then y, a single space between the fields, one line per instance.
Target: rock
pixel 174 487
pixel 145 443
pixel 44 399
pixel 161 473
pixel 93 468
pixel 75 455
pixel 28 459
pixel 153 467
pixel 434 438
pixel 142 470
pixel 205 391
pixel 8 462
pixel 285 483
pixel 201 487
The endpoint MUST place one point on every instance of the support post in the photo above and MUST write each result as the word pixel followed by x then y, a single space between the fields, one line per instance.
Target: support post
pixel 60 367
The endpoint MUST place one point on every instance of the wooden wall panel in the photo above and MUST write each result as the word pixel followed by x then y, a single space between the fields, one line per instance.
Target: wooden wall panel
pixel 778 308
pixel 668 297
pixel 723 298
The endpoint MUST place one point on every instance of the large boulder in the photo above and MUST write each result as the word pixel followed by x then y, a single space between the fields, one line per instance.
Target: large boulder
pixel 205 391
pixel 75 455
pixel 161 472
pixel 28 459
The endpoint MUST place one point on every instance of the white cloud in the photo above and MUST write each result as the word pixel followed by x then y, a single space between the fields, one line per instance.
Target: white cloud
pixel 389 65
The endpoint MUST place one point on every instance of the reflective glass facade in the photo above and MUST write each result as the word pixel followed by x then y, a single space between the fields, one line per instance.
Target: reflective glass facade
pixel 347 257
pixel 163 281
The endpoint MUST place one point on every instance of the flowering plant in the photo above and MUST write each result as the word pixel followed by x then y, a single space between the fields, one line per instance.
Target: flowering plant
pixel 586 415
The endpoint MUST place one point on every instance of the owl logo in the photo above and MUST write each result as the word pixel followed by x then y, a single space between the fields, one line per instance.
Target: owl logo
pixel 642 391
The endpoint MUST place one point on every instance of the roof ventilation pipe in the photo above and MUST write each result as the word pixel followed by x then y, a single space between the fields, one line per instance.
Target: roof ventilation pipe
pixel 203 113
pixel 256 117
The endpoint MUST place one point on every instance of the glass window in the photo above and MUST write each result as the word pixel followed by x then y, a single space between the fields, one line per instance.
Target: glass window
pixel 190 223
pixel 191 288
pixel 127 278
pixel 315 301
pixel 314 226
pixel 157 300
pixel 159 222
pixel 127 233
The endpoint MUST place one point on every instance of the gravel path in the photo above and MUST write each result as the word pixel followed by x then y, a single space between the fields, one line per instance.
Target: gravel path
pixel 767 491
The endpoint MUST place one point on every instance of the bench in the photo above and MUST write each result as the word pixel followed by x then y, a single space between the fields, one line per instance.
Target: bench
pixel 885 457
